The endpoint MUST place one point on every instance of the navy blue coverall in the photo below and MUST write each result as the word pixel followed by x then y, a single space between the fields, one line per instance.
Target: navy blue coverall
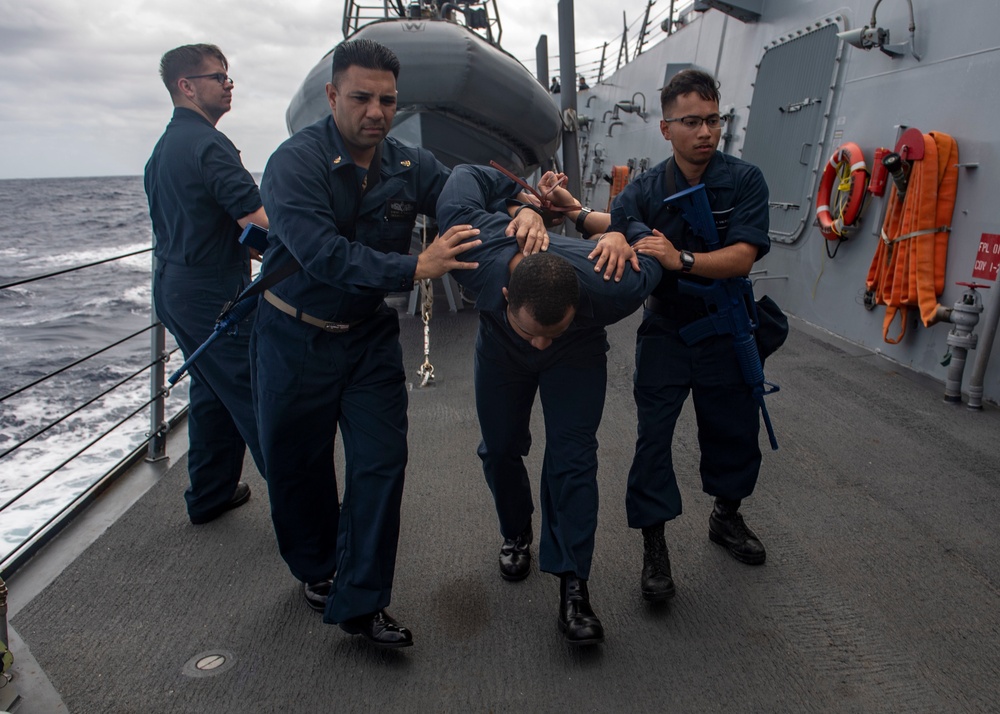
pixel 308 381
pixel 197 189
pixel 570 376
pixel 666 369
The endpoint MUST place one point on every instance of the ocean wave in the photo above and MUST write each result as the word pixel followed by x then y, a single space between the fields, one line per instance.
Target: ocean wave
pixel 49 225
pixel 86 256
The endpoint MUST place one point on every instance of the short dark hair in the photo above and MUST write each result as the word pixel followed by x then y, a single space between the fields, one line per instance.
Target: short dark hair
pixel 690 80
pixel 364 53
pixel 545 284
pixel 187 59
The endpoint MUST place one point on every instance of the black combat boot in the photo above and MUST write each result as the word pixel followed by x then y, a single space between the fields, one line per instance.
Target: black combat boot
pixel 726 527
pixel 577 620
pixel 515 558
pixel 657 583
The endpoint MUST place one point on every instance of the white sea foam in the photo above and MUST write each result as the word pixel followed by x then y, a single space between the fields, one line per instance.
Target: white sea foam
pixel 46 325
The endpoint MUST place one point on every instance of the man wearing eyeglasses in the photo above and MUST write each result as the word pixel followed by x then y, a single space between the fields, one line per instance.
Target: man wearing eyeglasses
pixel 667 369
pixel 200 197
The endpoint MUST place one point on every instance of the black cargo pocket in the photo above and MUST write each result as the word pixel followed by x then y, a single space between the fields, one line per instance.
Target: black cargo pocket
pixel 651 361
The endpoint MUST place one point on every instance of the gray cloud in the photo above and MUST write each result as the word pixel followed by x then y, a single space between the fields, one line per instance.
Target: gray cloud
pixel 82 94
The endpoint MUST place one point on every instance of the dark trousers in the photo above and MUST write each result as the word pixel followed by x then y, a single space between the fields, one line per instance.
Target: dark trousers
pixel 571 378
pixel 728 423
pixel 221 422
pixel 306 384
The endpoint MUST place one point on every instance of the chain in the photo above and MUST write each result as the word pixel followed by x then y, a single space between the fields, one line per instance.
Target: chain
pixel 426 370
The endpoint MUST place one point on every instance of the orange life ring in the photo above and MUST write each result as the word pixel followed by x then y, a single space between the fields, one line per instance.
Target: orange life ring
pixel 851 181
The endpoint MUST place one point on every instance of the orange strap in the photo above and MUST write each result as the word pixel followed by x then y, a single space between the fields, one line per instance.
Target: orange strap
pixel 619 178
pixel 543 199
pixel 908 268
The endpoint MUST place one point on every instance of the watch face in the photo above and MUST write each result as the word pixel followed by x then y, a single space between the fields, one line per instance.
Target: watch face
pixel 687 260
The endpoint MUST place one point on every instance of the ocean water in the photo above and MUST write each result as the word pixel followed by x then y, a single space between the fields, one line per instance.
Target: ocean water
pixel 49 225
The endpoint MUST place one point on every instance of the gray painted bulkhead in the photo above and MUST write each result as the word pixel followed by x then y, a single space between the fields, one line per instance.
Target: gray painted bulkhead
pixel 952 89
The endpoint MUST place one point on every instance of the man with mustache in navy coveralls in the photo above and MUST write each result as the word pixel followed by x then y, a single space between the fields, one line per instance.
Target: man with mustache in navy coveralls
pixel 541 329
pixel 325 348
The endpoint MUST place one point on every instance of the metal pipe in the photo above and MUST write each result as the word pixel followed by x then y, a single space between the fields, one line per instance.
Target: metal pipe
pixel 157 447
pixel 983 353
pixel 4 638
pixel 964 316
pixel 542 60
pixel 567 72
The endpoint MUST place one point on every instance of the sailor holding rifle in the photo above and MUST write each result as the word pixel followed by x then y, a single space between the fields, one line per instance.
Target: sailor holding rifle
pixel 668 368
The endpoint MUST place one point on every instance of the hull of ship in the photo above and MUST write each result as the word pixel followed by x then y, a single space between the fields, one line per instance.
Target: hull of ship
pixel 868 98
pixel 459 96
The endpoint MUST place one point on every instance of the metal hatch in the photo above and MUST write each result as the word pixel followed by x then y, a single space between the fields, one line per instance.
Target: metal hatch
pixel 791 101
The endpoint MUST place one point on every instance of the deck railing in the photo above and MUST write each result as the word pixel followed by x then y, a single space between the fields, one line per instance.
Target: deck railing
pixel 53 510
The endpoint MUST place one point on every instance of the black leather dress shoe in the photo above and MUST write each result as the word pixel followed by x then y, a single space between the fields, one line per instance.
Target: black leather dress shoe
pixel 515 558
pixel 379 629
pixel 657 583
pixel 240 496
pixel 577 620
pixel 317 594
pixel 727 528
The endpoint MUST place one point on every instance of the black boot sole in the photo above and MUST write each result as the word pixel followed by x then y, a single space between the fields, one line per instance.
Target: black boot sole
pixel 577 643
pixel 749 560
pixel 515 578
pixel 374 643
pixel 658 595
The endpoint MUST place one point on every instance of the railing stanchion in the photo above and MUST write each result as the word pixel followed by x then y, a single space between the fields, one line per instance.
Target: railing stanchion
pixel 157 449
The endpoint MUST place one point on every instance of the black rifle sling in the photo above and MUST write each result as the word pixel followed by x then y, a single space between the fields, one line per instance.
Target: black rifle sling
pixel 669 180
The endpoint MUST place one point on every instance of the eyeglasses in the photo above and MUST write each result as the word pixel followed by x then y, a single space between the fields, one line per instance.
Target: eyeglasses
pixel 692 121
pixel 219 77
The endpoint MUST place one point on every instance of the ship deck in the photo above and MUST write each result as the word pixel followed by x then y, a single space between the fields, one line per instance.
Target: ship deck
pixel 881 591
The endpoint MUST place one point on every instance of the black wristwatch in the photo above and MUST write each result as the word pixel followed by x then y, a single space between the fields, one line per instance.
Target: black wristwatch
pixel 687 261
pixel 581 219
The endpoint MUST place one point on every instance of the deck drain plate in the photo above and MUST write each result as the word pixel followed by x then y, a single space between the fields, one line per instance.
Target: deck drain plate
pixel 208 664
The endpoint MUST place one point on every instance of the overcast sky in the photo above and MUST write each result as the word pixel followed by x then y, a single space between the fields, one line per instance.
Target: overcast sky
pixel 81 94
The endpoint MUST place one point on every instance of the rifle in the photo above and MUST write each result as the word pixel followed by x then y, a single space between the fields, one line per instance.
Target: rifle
pixel 232 314
pixel 234 311
pixel 729 303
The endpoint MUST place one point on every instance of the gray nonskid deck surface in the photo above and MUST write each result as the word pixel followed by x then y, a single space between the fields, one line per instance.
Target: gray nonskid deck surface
pixel 881 591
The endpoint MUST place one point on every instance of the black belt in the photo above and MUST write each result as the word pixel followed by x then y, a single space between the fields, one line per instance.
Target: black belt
pixel 680 313
pixel 325 325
